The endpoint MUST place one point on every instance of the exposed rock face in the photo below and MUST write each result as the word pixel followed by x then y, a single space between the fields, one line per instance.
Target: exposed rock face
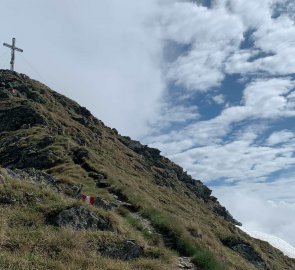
pixel 19 117
pixel 246 251
pixel 126 250
pixel 17 153
pixel 167 172
pixel 33 175
pixel 81 218
pixel 16 86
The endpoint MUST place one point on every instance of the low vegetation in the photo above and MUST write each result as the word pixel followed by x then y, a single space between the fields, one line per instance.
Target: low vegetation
pixel 27 241
pixel 158 213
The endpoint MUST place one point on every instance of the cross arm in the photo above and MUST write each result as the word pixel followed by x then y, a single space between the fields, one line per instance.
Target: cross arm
pixel 12 47
pixel 7 45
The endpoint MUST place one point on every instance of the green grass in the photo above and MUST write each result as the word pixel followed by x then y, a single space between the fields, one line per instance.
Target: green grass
pixel 195 228
pixel 201 257
pixel 205 259
pixel 27 241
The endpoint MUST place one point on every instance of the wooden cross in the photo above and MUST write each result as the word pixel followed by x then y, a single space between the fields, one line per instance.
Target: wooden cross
pixel 13 49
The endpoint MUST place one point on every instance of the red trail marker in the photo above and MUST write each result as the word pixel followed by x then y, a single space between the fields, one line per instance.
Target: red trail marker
pixel 88 199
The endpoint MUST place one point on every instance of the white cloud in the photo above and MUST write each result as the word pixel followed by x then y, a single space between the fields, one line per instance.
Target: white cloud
pixel 266 97
pixel 173 115
pixel 253 13
pixel 210 149
pixel 219 99
pixel 276 242
pixel 211 38
pixel 273 41
pixel 240 160
pixel 280 137
pixel 265 207
pixel 263 99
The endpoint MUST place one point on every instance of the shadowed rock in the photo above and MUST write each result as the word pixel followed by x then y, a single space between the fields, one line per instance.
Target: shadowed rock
pixel 125 251
pixel 7 199
pixel 36 154
pixel 15 118
pixel 246 251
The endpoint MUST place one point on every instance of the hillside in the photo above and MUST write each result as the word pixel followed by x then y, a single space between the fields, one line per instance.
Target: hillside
pixel 148 213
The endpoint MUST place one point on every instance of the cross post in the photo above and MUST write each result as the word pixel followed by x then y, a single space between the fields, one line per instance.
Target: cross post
pixel 13 49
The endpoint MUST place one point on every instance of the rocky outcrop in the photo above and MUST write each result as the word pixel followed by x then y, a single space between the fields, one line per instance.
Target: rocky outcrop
pixel 19 117
pixel 167 172
pixel 17 152
pixel 220 210
pixel 80 157
pixel 33 175
pixel 81 218
pixel 126 250
pixel 246 251
pixel 16 85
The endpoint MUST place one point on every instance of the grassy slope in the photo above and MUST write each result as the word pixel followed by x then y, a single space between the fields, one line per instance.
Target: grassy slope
pixel 196 229
pixel 27 241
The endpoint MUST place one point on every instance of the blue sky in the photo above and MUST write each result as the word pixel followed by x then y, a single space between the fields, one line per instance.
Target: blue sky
pixel 209 83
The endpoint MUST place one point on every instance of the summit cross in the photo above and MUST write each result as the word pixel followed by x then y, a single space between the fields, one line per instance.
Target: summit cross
pixel 13 49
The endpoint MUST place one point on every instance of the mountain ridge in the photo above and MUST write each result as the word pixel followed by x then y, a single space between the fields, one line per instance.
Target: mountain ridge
pixel 50 139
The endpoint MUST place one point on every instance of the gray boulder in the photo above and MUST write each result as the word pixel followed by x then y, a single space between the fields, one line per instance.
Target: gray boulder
pixel 81 218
